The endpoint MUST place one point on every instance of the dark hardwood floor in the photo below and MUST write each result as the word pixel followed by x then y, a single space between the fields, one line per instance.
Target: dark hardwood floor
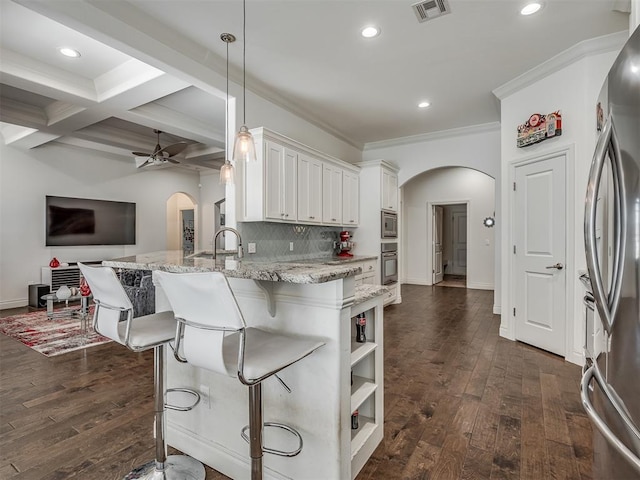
pixel 461 403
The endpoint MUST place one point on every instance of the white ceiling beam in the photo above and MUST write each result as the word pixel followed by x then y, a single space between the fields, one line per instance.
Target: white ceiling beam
pixel 35 72
pixel 175 122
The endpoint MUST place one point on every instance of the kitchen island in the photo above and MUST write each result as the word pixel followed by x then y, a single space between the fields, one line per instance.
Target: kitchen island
pixel 308 298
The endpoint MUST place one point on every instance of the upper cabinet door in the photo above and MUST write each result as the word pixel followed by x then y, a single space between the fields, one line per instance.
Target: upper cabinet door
pixel 350 199
pixel 274 164
pixel 281 182
pixel 389 191
pixel 309 189
pixel 290 185
pixel 331 194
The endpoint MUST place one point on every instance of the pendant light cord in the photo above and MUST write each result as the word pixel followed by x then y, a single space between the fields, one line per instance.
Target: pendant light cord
pixel 226 120
pixel 244 56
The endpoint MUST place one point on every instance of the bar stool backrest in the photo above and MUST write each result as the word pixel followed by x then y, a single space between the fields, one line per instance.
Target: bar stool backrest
pixel 110 299
pixel 205 304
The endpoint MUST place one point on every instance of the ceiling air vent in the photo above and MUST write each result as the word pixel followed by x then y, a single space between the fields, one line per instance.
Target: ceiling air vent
pixel 431 9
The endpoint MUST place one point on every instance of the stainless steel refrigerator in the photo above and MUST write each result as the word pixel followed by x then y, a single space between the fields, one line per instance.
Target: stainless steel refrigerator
pixel 611 381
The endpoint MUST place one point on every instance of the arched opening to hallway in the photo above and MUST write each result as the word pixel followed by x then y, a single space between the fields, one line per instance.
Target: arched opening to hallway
pixel 449 186
pixel 181 222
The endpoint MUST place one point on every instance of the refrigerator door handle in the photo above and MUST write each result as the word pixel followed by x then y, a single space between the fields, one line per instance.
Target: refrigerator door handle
pixel 606 303
pixel 615 442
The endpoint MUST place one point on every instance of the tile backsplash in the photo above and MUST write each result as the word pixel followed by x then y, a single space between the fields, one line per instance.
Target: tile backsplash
pixel 273 240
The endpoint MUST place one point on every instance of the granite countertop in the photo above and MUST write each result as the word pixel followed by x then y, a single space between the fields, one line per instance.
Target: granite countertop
pixel 365 292
pixel 323 269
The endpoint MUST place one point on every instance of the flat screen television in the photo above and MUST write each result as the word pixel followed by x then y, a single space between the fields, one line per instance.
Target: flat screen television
pixel 83 221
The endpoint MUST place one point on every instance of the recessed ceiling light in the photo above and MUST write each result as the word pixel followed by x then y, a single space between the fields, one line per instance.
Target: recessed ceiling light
pixel 531 8
pixel 635 69
pixel 370 31
pixel 69 52
pixel 423 104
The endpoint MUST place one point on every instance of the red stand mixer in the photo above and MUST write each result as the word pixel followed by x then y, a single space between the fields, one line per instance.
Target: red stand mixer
pixel 344 245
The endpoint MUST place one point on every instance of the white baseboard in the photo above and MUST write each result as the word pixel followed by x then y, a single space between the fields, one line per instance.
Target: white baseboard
pixel 505 333
pixel 575 357
pixel 480 286
pixel 497 310
pixel 20 302
pixel 416 281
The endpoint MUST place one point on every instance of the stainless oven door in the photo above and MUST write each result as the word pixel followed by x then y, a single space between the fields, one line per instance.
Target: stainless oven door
pixel 389 268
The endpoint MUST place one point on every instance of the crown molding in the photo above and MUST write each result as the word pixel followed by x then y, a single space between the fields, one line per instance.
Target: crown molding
pixel 428 137
pixel 593 46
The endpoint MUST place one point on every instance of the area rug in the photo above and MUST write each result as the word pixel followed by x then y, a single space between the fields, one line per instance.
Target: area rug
pixel 51 337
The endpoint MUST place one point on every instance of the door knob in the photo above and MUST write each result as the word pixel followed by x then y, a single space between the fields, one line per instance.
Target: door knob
pixel 558 266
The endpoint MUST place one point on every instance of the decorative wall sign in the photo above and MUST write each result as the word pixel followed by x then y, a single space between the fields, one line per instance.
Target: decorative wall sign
pixel 538 128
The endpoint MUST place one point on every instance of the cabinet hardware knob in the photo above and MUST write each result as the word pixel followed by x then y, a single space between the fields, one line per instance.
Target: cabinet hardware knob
pixel 286 214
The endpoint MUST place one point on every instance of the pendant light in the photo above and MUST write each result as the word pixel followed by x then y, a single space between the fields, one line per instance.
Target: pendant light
pixel 226 172
pixel 244 148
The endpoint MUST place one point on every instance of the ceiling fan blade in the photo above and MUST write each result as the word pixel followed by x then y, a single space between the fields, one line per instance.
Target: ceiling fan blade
pixel 172 160
pixel 174 149
pixel 142 154
pixel 143 162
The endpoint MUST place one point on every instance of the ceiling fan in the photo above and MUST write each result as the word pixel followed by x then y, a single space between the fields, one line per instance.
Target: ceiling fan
pixel 160 155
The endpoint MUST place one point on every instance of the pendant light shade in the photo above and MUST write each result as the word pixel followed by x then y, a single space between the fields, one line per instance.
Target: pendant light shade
pixel 226 171
pixel 226 174
pixel 244 148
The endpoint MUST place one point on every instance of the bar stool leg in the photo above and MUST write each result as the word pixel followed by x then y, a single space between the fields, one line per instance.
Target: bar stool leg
pixel 255 430
pixel 174 467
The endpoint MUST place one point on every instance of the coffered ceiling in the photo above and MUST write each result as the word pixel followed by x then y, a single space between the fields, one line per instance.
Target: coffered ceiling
pixel 150 64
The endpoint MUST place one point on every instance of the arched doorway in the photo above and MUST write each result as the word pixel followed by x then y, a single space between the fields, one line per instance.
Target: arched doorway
pixel 449 188
pixel 181 223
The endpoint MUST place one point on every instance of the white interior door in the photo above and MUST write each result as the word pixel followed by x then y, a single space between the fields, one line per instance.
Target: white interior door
pixel 438 272
pixel 539 233
pixel 459 241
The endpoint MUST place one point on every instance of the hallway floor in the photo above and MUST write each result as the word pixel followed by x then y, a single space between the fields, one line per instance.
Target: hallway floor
pixel 463 403
pixel 460 403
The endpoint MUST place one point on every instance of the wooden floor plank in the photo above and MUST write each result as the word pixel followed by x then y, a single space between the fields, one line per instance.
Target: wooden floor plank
pixel 460 402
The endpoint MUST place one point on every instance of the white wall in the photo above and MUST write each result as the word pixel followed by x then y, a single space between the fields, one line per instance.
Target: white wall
pixel 210 192
pixel 55 169
pixel 476 148
pixel 449 185
pixel 573 90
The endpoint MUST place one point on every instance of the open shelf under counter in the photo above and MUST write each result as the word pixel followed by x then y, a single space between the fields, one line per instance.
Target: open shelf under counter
pixel 361 389
pixel 360 436
pixel 361 350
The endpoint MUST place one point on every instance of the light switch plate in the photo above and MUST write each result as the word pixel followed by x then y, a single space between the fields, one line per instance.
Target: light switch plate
pixel 251 247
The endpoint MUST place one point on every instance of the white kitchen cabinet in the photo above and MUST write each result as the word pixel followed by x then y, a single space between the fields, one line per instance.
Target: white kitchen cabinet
pixel 368 276
pixel 281 166
pixel 379 190
pixel 350 199
pixel 331 194
pixel 309 189
pixel 389 198
pixel 293 183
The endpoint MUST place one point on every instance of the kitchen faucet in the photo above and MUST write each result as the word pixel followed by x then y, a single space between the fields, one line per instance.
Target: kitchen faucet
pixel 228 229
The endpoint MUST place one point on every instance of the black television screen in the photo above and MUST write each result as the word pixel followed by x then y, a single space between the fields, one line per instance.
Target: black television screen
pixel 82 221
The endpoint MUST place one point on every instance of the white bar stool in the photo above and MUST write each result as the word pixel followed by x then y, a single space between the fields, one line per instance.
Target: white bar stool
pixel 139 334
pixel 213 335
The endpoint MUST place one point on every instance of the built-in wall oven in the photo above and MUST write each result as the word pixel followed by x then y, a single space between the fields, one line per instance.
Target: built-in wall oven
pixel 389 263
pixel 389 222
